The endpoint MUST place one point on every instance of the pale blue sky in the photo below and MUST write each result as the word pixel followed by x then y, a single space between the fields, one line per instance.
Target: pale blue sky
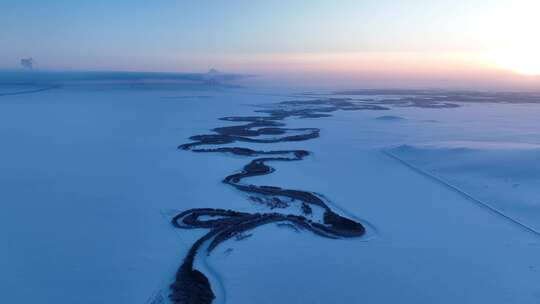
pixel 194 35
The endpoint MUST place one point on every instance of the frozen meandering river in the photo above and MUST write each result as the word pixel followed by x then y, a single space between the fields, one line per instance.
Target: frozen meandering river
pixel 91 177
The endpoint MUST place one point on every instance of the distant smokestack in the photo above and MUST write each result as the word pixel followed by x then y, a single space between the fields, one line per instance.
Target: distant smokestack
pixel 27 63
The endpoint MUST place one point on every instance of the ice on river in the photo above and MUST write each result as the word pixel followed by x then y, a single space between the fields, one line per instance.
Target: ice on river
pixel 91 175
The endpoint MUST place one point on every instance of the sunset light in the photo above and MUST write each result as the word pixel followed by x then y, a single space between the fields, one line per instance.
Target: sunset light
pixel 523 62
pixel 511 32
pixel 244 152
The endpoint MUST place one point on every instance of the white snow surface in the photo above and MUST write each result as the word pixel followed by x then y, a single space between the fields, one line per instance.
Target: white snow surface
pixel 91 176
pixel 503 175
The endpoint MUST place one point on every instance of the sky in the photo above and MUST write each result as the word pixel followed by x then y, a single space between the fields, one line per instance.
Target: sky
pixel 485 41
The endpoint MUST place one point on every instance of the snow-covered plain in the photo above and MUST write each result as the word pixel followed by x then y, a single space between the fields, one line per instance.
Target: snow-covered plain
pixel 90 176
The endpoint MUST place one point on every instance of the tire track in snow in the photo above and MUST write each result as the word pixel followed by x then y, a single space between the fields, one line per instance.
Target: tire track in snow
pixel 466 195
